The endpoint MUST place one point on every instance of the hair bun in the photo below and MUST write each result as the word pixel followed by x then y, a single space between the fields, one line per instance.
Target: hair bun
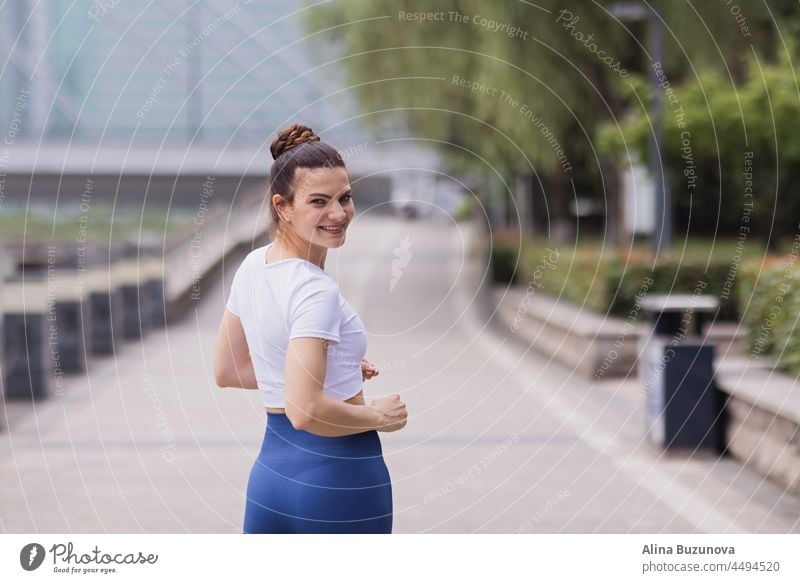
pixel 291 137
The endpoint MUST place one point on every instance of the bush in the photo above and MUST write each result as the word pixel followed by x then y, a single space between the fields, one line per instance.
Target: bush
pixel 789 359
pixel 466 210
pixel 672 275
pixel 763 294
pixel 504 257
pixel 609 281
pixel 714 113
pixel 769 302
pixel 758 293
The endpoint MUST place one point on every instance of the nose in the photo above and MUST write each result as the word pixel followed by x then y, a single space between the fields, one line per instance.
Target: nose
pixel 337 212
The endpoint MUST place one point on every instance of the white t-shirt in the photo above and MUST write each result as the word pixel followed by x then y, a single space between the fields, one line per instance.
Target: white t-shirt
pixel 294 298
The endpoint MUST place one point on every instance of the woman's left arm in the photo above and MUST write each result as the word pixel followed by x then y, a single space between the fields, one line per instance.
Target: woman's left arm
pixel 232 364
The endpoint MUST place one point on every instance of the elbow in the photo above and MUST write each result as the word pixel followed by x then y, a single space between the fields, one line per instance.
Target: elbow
pixel 228 374
pixel 301 417
pixel 222 378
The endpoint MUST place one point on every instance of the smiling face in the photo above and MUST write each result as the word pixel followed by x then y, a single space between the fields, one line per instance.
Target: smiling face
pixel 323 206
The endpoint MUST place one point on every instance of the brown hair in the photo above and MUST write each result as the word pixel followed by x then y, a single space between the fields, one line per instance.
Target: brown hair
pixel 296 147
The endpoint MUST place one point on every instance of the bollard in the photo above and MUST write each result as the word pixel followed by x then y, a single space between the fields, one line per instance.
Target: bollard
pixel 26 359
pixel 68 313
pixel 69 321
pixel 127 276
pixel 105 315
pixel 153 292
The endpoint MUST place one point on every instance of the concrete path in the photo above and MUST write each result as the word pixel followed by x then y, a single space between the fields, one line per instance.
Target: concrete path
pixel 499 440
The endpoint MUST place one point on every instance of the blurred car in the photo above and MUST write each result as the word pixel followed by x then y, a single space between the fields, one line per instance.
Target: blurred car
pixel 408 203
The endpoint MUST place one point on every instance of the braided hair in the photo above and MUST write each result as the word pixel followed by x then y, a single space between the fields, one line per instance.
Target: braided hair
pixel 296 146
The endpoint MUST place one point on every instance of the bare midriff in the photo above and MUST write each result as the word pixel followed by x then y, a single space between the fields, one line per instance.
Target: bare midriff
pixel 357 399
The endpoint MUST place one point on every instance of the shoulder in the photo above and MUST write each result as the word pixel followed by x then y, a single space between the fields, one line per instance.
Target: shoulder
pixel 310 288
pixel 309 278
pixel 252 258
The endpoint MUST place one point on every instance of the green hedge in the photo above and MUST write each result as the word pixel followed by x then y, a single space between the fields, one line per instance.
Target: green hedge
pixel 608 282
pixel 671 275
pixel 504 256
pixel 763 294
pixel 769 302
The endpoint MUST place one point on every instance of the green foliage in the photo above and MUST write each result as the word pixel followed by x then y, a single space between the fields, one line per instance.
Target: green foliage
pixel 549 91
pixel 408 73
pixel 671 275
pixel 790 356
pixel 769 302
pixel 763 293
pixel 725 123
pixel 757 295
pixel 466 209
pixel 504 257
pixel 608 281
pixel 104 223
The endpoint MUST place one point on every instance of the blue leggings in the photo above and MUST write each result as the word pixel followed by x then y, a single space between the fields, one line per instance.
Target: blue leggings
pixel 304 483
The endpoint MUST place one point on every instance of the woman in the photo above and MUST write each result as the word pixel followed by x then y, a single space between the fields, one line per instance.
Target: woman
pixel 288 332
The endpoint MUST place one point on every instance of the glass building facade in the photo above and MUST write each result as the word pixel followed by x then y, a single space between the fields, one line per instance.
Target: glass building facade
pixel 170 73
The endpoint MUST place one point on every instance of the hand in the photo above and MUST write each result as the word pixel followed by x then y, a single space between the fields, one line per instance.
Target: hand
pixel 368 370
pixel 393 412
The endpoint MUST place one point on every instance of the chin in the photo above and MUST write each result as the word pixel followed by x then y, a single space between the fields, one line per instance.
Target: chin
pixel 328 242
pixel 336 244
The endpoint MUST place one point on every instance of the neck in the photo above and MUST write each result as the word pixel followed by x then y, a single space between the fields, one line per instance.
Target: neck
pixel 290 245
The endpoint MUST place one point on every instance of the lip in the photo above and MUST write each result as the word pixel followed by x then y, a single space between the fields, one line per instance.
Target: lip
pixel 339 231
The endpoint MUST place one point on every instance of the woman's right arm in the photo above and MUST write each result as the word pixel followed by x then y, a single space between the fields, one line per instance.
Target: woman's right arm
pixel 309 409
pixel 232 364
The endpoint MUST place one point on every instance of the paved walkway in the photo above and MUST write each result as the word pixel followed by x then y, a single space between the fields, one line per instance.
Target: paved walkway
pixel 499 440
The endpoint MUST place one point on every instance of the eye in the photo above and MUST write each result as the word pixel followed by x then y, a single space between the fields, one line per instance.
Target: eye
pixel 345 199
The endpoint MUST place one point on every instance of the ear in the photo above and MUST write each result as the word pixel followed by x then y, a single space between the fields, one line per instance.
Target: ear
pixel 284 210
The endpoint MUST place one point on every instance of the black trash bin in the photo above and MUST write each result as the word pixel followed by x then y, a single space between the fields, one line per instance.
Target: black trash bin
pixel 683 408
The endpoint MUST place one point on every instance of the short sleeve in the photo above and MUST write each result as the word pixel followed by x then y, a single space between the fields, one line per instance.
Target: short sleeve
pixel 234 296
pixel 317 311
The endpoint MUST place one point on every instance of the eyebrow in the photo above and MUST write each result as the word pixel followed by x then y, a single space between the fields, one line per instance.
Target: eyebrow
pixel 317 194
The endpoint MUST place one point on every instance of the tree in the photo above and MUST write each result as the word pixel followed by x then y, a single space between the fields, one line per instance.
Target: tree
pixel 514 87
pixel 730 149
